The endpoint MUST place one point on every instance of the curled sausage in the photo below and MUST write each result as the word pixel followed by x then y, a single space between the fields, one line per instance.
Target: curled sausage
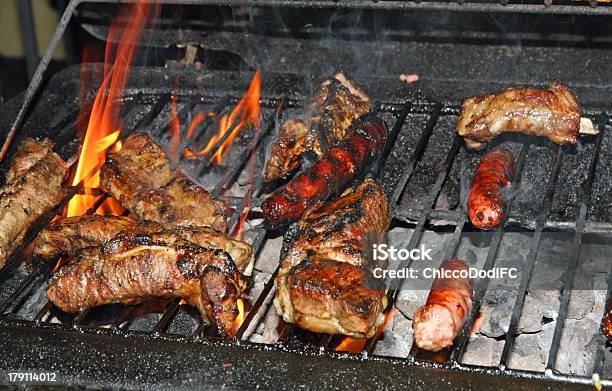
pixel 439 321
pixel 488 191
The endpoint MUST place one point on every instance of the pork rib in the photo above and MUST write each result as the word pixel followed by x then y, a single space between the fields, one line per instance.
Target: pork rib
pixel 553 113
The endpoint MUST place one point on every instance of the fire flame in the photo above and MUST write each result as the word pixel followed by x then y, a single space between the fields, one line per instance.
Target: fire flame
pixel 356 345
pixel 104 128
pixel 197 120
pixel 240 318
pixel 246 112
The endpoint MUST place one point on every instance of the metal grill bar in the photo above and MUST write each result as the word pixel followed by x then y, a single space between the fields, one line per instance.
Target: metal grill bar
pixel 417 234
pixel 233 174
pixel 530 262
pixel 568 278
pixel 600 357
pixel 200 131
pixel 397 127
pixel 418 152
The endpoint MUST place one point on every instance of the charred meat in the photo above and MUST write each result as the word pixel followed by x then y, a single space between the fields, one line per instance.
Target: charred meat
pixel 329 114
pixel 139 176
pixel 330 175
pixel 33 188
pixel 68 236
pixel 489 189
pixel 439 321
pixel 65 237
pixel 136 266
pixel 553 113
pixel 325 284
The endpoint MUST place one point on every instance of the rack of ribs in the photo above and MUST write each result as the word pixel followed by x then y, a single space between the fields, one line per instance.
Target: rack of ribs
pixel 139 264
pixel 67 237
pixel 553 113
pixel 325 284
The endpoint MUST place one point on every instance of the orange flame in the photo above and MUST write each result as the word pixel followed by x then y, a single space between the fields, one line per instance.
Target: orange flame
pixel 240 318
pixel 356 345
pixel 246 112
pixel 197 120
pixel 104 128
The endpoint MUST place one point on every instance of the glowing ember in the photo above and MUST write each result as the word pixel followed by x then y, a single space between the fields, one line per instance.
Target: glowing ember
pixel 246 112
pixel 104 126
pixel 356 345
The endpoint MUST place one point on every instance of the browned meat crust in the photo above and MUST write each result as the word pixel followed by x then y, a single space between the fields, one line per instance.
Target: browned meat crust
pixel 33 187
pixel 552 113
pixel 136 266
pixel 324 283
pixel 329 114
pixel 488 192
pixel 140 178
pixel 66 237
pixel 439 321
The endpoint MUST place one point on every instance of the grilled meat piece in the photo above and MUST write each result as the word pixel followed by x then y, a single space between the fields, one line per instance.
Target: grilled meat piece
pixel 324 283
pixel 141 179
pixel 33 188
pixel 488 191
pixel 68 236
pixel 552 113
pixel 136 266
pixel 329 114
pixel 330 175
pixel 65 237
pixel 439 321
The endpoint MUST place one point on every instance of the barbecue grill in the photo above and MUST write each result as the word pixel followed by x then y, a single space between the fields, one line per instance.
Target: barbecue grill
pixel 459 49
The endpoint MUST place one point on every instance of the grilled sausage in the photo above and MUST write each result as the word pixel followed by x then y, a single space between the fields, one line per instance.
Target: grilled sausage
pixel 439 321
pixel 330 175
pixel 487 199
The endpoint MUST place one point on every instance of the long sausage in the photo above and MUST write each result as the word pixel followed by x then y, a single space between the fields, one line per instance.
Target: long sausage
pixel 487 199
pixel 330 175
pixel 439 321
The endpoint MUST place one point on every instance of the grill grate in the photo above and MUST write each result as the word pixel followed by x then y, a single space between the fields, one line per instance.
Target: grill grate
pixel 262 304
